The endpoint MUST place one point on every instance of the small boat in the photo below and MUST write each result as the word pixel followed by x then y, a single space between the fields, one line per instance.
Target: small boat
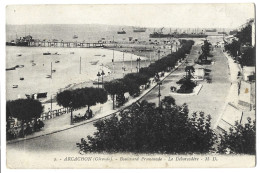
pixel 15 86
pixel 32 61
pixel 75 36
pixel 71 52
pixel 57 61
pixel 19 55
pixel 139 29
pixel 47 53
pixel 53 71
pixel 21 78
pixel 48 76
pixel 121 32
pixel 103 55
pixel 97 55
pixel 33 64
pixel 19 66
pixel 94 62
pixel 56 53
pixel 12 68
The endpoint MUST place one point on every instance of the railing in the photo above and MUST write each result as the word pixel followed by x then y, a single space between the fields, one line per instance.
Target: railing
pixel 55 113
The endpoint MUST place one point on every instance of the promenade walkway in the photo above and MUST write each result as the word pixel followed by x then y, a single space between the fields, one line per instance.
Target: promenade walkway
pixel 212 96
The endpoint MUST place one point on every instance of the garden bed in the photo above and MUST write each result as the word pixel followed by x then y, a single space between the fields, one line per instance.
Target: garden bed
pixel 196 91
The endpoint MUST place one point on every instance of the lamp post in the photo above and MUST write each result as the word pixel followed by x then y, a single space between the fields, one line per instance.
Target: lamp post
pixel 113 66
pixel 71 116
pixel 123 68
pixel 102 74
pixel 138 64
pixel 79 65
pixel 123 59
pixel 150 58
pixel 131 62
pixel 51 70
pixel 98 75
pixel 113 60
pixel 171 48
pixel 159 93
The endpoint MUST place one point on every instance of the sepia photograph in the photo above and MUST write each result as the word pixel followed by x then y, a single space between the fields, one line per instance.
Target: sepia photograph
pixel 130 86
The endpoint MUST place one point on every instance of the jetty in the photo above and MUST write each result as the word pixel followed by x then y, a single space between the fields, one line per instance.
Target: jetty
pixel 63 44
pixel 28 41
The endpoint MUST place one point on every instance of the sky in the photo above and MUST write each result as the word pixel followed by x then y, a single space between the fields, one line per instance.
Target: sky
pixel 164 15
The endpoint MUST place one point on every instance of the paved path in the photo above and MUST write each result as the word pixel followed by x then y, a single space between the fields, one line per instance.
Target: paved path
pixel 211 98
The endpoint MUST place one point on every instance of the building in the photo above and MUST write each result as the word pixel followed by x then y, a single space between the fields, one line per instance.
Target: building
pixel 248 71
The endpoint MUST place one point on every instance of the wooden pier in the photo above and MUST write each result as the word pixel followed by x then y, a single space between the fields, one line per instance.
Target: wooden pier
pixel 64 44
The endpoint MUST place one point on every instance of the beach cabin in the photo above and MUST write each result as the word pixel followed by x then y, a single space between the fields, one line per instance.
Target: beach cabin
pixel 199 72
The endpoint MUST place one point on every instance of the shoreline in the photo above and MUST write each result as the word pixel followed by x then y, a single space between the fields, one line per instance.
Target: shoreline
pixel 118 72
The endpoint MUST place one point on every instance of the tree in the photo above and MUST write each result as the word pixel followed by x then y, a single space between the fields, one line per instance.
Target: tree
pixel 115 87
pixel 140 79
pixel 92 96
pixel 65 99
pixel 245 35
pixel 168 102
pixel 78 98
pixel 233 48
pixel 248 58
pixel 145 128
pixel 102 95
pixel 25 110
pixel 148 71
pixel 169 60
pixel 132 87
pixel 187 85
pixel 241 139
pixel 206 48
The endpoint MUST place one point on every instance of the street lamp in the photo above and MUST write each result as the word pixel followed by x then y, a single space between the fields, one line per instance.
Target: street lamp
pixel 113 63
pixel 138 63
pixel 159 54
pixel 131 62
pixel 159 93
pixel 102 73
pixel 98 75
pixel 123 68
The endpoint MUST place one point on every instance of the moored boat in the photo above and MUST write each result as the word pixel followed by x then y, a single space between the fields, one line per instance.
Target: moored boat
pixel 139 29
pixel 47 53
pixel 121 32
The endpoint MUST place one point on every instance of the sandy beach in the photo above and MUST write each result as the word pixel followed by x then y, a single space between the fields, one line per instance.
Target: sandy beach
pixel 67 71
